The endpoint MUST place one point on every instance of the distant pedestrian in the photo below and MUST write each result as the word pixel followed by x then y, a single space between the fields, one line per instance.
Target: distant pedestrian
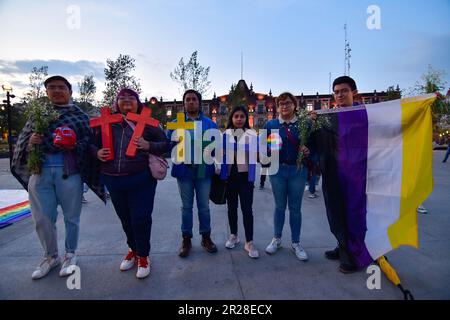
pixel 447 154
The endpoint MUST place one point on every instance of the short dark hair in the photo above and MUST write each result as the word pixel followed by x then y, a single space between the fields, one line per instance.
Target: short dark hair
pixel 199 96
pixel 230 117
pixel 345 80
pixel 53 78
pixel 287 95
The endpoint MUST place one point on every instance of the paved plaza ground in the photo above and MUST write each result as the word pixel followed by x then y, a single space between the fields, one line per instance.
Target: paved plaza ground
pixel 228 274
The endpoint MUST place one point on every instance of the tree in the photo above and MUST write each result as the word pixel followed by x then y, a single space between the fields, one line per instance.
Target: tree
pixel 239 95
pixel 117 76
pixel 192 75
pixel 158 112
pixel 37 78
pixel 87 91
pixel 433 82
pixel 393 93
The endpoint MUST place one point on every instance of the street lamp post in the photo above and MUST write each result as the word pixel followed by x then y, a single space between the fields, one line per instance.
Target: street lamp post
pixel 9 96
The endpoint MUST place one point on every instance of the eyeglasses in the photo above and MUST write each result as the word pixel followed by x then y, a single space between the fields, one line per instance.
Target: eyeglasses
pixel 342 91
pixel 286 104
pixel 127 98
pixel 53 88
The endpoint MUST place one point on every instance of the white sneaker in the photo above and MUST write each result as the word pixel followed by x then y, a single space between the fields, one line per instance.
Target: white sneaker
pixel 299 252
pixel 45 266
pixel 273 246
pixel 313 196
pixel 143 267
pixel 67 268
pixel 232 241
pixel 129 261
pixel 421 209
pixel 252 252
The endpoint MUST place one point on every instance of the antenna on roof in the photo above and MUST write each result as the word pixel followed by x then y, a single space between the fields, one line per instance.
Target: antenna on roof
pixel 242 65
pixel 329 82
pixel 347 51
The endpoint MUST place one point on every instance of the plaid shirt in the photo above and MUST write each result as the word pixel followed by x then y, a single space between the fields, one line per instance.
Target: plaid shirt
pixel 77 120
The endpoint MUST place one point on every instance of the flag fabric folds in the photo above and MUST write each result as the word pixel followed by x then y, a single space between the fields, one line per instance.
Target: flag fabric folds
pixel 377 169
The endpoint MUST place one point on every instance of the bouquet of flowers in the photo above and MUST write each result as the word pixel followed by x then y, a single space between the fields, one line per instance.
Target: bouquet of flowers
pixel 306 126
pixel 41 116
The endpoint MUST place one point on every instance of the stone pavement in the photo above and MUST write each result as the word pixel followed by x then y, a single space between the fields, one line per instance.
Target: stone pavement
pixel 228 274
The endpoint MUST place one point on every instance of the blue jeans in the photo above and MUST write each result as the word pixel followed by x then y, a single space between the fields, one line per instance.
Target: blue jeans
pixel 48 190
pixel 447 154
pixel 312 184
pixel 288 185
pixel 133 197
pixel 186 187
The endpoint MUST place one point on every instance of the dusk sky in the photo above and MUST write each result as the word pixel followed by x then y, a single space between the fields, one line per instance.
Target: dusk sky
pixel 288 45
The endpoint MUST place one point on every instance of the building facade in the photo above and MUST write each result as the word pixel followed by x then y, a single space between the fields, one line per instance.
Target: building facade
pixel 261 106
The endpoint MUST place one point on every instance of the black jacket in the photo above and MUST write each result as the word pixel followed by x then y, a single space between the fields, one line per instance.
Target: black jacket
pixel 122 133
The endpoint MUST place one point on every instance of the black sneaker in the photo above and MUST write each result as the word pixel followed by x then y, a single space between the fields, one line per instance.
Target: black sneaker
pixel 347 268
pixel 332 254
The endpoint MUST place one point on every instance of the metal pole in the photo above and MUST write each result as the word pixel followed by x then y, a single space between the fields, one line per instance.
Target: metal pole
pixel 8 105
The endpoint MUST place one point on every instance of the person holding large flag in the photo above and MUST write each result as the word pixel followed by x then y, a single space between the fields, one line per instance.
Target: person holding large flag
pixel 376 162
pixel 128 178
pixel 344 89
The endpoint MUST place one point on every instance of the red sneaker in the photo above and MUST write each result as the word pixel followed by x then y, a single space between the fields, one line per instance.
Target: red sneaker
pixel 129 261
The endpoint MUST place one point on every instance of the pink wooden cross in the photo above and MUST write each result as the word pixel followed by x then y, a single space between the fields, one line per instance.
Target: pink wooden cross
pixel 105 121
pixel 143 119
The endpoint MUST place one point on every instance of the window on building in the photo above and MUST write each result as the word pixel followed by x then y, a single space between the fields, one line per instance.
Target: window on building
pixel 309 106
pixel 260 108
pixel 260 122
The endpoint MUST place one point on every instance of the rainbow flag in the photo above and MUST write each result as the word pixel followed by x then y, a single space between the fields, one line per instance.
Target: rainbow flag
pixel 377 169
pixel 13 206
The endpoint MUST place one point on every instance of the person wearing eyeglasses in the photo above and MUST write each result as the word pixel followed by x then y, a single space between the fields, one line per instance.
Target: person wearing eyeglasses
pixel 345 92
pixel 288 184
pixel 129 181
pixel 61 177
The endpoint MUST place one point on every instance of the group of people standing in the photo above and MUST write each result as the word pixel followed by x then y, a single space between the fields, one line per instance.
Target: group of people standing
pixel 132 187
